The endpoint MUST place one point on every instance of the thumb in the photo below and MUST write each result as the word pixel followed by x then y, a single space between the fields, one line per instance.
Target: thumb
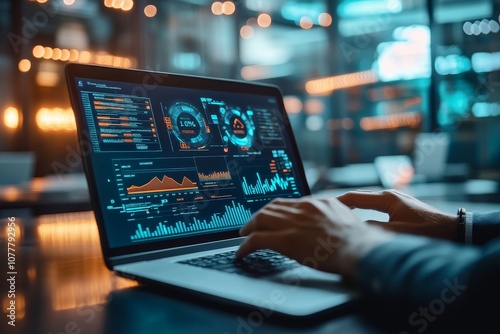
pixel 376 222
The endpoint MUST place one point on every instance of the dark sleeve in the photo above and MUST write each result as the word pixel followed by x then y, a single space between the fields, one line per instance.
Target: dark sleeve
pixel 424 277
pixel 485 227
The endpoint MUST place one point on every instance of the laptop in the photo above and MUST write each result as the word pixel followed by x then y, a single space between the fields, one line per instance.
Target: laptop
pixel 176 165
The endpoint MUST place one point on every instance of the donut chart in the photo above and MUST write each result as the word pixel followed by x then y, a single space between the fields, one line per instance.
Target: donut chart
pixel 237 127
pixel 188 125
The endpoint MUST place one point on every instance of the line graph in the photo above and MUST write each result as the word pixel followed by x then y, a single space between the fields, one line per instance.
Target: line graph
pixel 264 186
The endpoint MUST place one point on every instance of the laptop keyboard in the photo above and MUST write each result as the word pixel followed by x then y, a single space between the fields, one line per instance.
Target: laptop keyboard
pixel 260 263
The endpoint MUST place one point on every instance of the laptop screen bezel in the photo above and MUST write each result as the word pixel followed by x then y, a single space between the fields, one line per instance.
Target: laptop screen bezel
pixel 148 79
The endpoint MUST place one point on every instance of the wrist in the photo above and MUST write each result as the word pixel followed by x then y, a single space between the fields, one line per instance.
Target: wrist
pixel 357 246
pixel 450 223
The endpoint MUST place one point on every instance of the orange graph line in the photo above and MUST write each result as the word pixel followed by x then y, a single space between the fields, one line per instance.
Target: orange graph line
pixel 215 176
pixel 165 184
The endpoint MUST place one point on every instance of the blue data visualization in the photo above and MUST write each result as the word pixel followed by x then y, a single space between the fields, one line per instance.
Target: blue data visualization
pixel 233 215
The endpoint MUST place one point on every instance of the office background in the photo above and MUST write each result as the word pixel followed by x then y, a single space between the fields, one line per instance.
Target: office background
pixel 360 78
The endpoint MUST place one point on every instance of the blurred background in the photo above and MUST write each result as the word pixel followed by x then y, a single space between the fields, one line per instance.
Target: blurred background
pixel 361 79
pixel 380 94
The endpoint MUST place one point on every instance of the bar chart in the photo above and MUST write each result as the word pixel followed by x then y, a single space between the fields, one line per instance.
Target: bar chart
pixel 234 215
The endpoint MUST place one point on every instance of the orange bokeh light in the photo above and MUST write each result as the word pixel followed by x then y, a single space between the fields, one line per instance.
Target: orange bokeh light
pixel 325 19
pixel 329 84
pixel 24 65
pixel 228 8
pixel 264 20
pixel 217 8
pixel 246 32
pixel 306 22
pixel 150 10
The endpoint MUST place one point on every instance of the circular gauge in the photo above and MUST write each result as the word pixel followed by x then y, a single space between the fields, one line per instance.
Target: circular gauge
pixel 188 125
pixel 238 128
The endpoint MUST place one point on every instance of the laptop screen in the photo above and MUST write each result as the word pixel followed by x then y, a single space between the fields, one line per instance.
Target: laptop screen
pixel 173 162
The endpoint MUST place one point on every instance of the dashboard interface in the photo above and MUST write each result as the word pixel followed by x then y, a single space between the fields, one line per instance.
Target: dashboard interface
pixel 174 162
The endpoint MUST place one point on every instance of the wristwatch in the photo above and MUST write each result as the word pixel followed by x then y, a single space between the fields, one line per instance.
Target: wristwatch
pixel 461 213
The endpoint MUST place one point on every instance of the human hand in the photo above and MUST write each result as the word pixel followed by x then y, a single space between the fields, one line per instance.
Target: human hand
pixel 320 233
pixel 406 213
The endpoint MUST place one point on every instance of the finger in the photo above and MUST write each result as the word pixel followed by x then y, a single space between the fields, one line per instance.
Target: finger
pixel 284 208
pixel 348 194
pixel 336 205
pixel 398 227
pixel 400 193
pixel 402 227
pixel 282 214
pixel 375 222
pixel 290 202
pixel 268 218
pixel 285 216
pixel 308 205
pixel 262 240
pixel 379 201
pixel 286 201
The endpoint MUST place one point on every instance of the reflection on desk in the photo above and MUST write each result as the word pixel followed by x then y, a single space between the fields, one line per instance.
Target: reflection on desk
pixel 65 237
pixel 63 286
pixel 59 267
pixel 49 194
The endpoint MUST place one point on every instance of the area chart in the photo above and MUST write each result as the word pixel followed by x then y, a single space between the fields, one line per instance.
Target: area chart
pixel 165 184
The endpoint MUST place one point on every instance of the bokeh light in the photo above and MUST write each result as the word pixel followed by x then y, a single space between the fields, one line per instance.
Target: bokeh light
pixel 325 19
pixel 150 10
pixel 264 20
pixel 24 65
pixel 217 8
pixel 228 8
pixel 306 22
pixel 246 32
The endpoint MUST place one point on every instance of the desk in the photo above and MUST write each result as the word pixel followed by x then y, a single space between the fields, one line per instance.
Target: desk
pixel 49 194
pixel 62 286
